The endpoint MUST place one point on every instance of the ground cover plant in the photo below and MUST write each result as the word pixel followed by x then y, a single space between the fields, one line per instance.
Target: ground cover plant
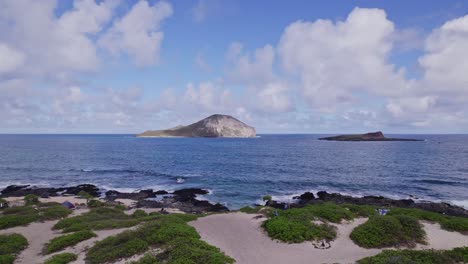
pixel 98 219
pixel 389 230
pixel 310 222
pixel 61 242
pixel 178 243
pixel 450 223
pixel 62 258
pixel 10 246
pixel 23 215
pixel 408 256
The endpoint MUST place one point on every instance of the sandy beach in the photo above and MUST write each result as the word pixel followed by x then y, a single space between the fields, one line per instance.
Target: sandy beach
pixel 240 236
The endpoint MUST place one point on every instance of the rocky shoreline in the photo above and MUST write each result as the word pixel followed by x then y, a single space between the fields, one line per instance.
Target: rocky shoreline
pixel 323 196
pixel 186 199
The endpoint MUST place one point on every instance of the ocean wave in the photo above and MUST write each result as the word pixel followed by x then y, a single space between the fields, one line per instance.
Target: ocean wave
pixel 438 182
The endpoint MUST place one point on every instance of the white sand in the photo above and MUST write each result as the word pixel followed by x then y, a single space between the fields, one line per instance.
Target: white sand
pixel 240 236
pixel 37 234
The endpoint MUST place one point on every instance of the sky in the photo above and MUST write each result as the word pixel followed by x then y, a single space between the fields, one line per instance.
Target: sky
pixel 114 66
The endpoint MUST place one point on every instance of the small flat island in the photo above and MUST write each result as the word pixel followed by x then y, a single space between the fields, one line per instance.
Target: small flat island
pixel 372 136
pixel 212 126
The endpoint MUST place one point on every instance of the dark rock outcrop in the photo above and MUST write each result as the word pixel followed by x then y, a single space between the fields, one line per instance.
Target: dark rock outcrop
pixel 212 126
pixel 23 190
pixel 323 196
pixel 372 136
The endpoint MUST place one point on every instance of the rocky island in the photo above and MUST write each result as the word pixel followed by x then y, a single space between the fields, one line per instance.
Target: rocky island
pixel 212 126
pixel 372 136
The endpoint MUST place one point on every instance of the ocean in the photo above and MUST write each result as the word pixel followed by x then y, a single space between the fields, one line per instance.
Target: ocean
pixel 238 172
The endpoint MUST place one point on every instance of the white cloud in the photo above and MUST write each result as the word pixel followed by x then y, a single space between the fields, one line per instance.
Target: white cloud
pixel 138 33
pixel 53 46
pixel 445 63
pixel 335 60
pixel 10 59
pixel 246 69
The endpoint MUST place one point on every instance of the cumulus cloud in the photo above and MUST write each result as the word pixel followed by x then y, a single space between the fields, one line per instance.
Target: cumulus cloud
pixel 445 62
pixel 334 60
pixel 138 33
pixel 10 59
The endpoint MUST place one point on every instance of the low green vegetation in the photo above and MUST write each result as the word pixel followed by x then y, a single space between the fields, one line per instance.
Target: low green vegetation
pixel 389 230
pixel 250 210
pixel 10 246
pixel 407 256
pixel 97 219
pixel 146 259
pixel 31 199
pixel 310 222
pixel 23 215
pixel 450 223
pixel 179 243
pixel 266 198
pixel 62 258
pixel 61 242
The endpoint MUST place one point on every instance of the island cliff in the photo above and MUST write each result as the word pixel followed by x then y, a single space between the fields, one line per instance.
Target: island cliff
pixel 212 126
pixel 373 136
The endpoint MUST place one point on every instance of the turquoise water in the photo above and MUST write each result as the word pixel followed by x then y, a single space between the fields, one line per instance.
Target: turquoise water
pixel 240 171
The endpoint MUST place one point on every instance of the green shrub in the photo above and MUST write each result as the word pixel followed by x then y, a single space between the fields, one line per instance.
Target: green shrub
pixel 23 215
pixel 450 223
pixel 12 244
pixel 31 199
pixel 297 231
pixel 139 213
pixel 250 210
pixel 7 259
pixel 361 210
pixel 61 242
pixel 179 241
pixel 146 259
pixel 62 258
pixel 266 198
pixel 97 219
pixel 95 203
pixel 386 231
pixel 407 256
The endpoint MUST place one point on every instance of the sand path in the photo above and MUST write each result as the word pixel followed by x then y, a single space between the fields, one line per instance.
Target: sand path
pixel 240 236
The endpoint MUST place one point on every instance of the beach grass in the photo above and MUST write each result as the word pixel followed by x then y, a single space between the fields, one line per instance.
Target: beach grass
pixel 10 246
pixel 179 243
pixel 389 230
pixel 62 258
pixel 23 215
pixel 61 242
pixel 408 256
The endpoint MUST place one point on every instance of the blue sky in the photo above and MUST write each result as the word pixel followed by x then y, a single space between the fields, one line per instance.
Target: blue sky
pixel 85 66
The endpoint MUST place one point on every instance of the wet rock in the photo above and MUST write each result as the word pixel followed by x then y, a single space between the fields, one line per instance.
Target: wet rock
pixel 143 194
pixel 89 188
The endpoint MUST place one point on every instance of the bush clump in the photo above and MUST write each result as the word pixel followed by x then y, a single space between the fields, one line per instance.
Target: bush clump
pixel 23 215
pixel 62 258
pixel 297 224
pixel 450 223
pixel 97 219
pixel 387 231
pixel 61 242
pixel 10 246
pixel 456 255
pixel 179 241
pixel 31 199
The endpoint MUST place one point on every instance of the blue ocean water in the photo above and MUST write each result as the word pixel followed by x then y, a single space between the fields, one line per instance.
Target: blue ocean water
pixel 239 172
